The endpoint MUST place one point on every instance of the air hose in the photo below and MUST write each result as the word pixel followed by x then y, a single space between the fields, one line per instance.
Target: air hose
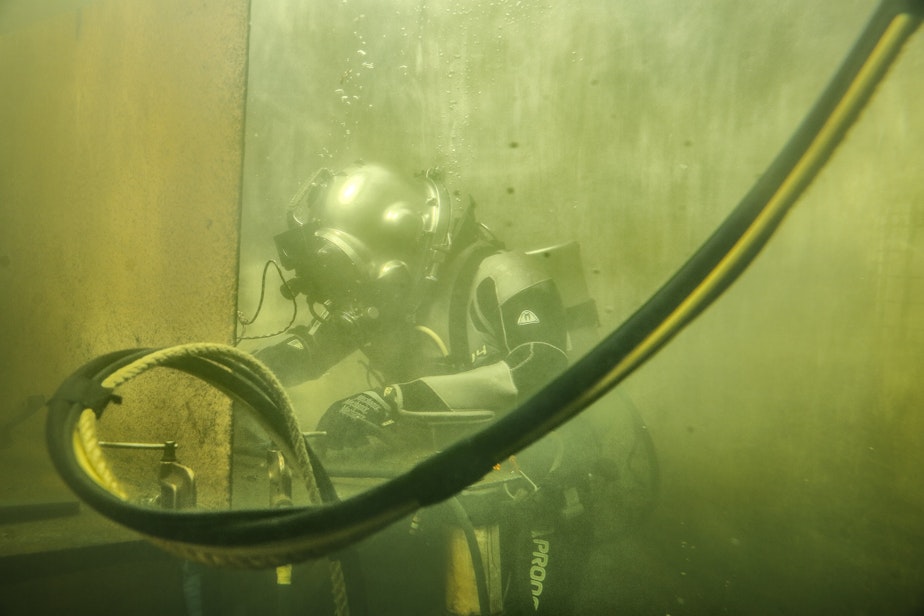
pixel 272 537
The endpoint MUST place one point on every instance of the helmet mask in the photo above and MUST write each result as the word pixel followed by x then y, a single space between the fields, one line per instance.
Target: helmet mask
pixel 362 242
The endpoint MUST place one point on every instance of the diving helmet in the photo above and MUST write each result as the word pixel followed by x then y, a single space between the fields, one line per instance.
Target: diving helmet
pixel 362 240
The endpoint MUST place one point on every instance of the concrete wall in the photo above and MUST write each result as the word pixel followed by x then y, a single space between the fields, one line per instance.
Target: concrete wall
pixel 121 156
pixel 788 418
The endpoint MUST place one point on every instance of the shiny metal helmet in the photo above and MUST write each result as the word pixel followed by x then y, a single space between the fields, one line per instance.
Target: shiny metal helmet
pixel 361 241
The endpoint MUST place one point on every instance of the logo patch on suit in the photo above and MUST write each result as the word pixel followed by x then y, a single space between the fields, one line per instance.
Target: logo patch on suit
pixel 527 317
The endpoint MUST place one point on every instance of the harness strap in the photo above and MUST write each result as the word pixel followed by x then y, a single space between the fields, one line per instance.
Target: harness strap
pixel 469 259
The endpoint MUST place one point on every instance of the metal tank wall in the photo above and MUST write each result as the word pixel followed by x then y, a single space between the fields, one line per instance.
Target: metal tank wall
pixel 788 417
pixel 121 157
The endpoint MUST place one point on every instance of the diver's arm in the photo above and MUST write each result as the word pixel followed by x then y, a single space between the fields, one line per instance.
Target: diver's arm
pixel 520 315
pixel 497 386
pixel 307 353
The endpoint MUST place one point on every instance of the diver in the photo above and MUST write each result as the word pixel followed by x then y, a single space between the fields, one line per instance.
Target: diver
pixel 449 320
pixel 447 317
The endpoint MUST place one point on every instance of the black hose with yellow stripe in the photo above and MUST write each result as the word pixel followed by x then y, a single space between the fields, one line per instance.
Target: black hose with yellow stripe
pixel 279 536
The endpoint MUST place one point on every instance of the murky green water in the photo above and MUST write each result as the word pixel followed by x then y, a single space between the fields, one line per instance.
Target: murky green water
pixel 766 461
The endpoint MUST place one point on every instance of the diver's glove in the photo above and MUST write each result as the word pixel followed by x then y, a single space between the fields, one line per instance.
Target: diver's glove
pixel 352 421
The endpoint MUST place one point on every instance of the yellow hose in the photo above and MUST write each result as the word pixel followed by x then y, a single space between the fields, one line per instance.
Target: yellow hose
pixel 90 455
